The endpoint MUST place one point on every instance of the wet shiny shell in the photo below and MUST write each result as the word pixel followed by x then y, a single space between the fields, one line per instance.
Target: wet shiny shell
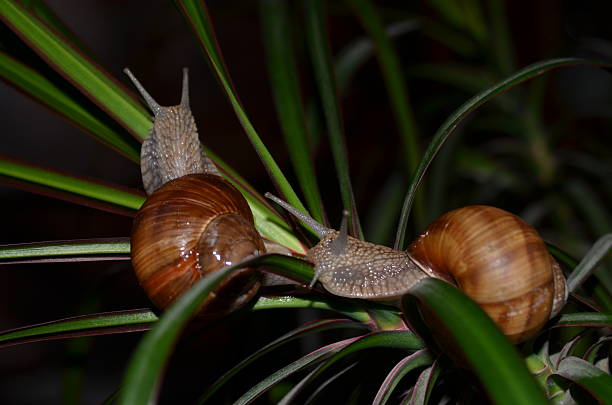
pixel 500 262
pixel 189 227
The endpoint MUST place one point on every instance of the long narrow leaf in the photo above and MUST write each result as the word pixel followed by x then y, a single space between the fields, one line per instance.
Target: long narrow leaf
pixel 597 382
pixel 491 356
pixel 453 121
pixel 585 319
pixel 53 97
pixel 310 359
pixel 95 83
pixel 76 185
pixel 78 326
pixel 589 262
pixel 417 359
pixel 316 32
pixel 404 340
pixel 70 250
pixel 197 16
pixel 148 360
pixel 305 330
pixel 396 86
pixel 285 87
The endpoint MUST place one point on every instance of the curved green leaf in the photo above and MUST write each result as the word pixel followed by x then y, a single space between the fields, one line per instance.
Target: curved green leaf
pixel 95 83
pixel 53 97
pixel 310 359
pixel 197 16
pixel 453 121
pixel 76 185
pixel 78 326
pixel 305 330
pixel 597 382
pixel 417 359
pixel 285 87
pixel 491 356
pixel 589 262
pixel 148 360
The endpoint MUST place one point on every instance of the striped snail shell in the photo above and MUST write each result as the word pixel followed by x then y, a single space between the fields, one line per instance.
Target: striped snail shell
pixel 493 256
pixel 193 221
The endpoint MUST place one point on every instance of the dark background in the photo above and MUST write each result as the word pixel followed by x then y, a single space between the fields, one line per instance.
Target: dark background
pixel 153 40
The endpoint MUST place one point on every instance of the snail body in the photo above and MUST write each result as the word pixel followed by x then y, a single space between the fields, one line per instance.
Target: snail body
pixel 493 256
pixel 193 221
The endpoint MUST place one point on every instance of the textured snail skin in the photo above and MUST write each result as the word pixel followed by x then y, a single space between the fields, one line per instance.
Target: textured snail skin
pixel 366 270
pixel 500 262
pixel 193 222
pixel 189 227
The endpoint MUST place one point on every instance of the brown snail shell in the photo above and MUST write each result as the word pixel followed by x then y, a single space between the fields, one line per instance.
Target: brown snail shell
pixel 189 227
pixel 499 261
pixel 493 256
pixel 193 222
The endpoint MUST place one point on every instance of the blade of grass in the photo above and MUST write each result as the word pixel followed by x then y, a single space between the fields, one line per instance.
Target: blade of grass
pixel 591 319
pixel 285 87
pixel 417 359
pixel 78 326
pixel 77 185
pixel 304 330
pixel 196 14
pixel 396 88
pixel 318 45
pixel 84 74
pixel 453 121
pixel 64 249
pixel 589 262
pixel 493 359
pixel 403 340
pixel 53 97
pixel 310 359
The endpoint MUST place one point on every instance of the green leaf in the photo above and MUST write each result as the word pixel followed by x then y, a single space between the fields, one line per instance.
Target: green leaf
pixel 95 83
pixel 594 319
pixel 415 360
pixel 589 262
pixel 64 249
pixel 310 359
pixel 480 343
pixel 316 33
pixel 87 325
pixel 453 121
pixel 305 330
pixel 197 16
pixel 148 360
pixel 394 80
pixel 597 382
pixel 69 183
pixel 53 97
pixel 284 82
pixel 358 311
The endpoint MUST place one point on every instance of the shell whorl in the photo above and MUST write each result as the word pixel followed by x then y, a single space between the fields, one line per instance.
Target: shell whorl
pixel 192 226
pixel 499 261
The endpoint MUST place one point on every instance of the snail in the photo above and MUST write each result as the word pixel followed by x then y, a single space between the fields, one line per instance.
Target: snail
pixel 493 256
pixel 193 221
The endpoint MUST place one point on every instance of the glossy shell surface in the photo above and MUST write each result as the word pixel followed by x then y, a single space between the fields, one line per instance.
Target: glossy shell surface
pixel 189 227
pixel 499 261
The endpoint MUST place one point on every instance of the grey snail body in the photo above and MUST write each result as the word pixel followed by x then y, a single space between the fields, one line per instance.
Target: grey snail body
pixel 493 256
pixel 193 221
